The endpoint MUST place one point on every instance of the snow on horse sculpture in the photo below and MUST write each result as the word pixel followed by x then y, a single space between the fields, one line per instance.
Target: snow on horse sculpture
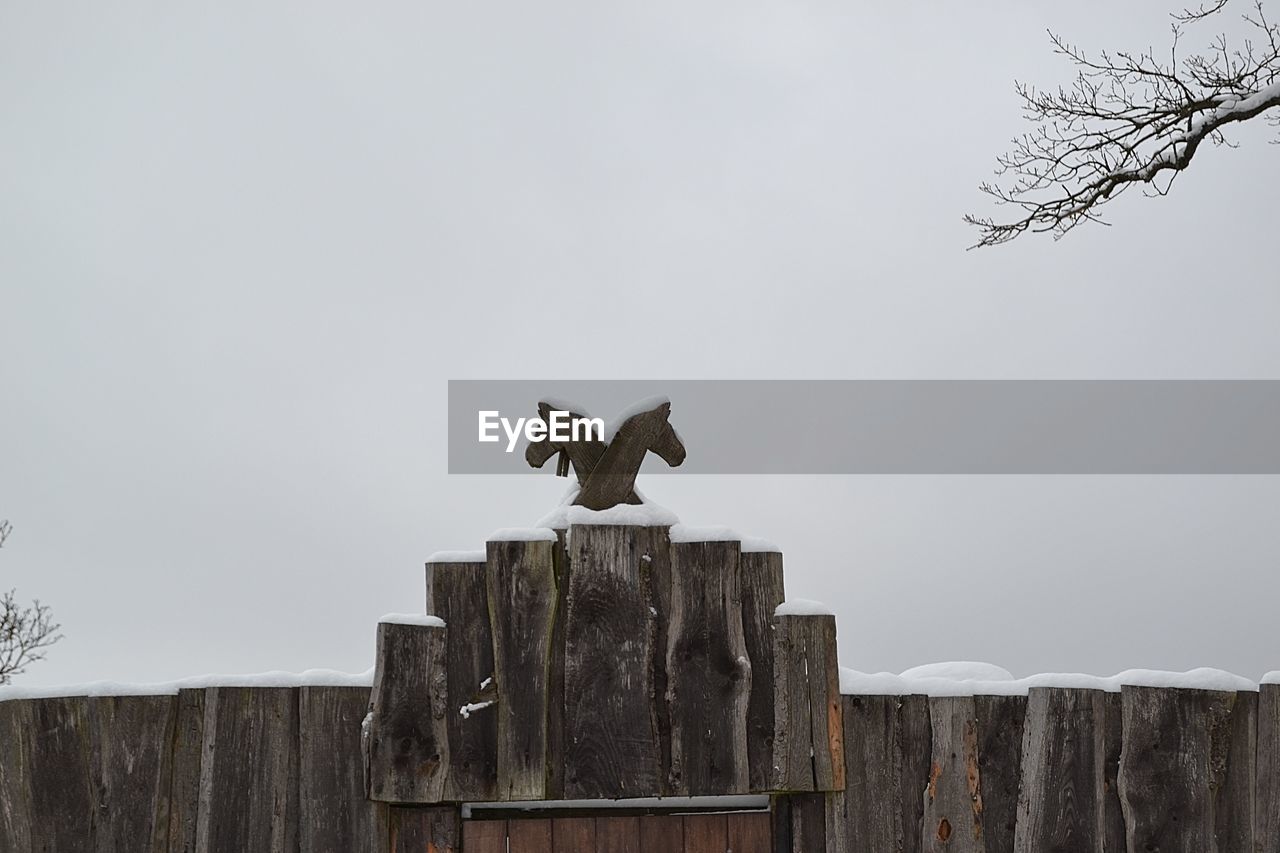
pixel 606 471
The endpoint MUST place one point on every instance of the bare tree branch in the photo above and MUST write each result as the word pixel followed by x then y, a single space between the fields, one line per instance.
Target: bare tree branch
pixel 1129 119
pixel 25 632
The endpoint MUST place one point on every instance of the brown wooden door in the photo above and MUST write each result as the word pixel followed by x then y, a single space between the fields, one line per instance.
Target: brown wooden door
pixel 737 832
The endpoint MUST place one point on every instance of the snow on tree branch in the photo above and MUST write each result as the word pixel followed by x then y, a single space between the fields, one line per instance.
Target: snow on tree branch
pixel 1129 119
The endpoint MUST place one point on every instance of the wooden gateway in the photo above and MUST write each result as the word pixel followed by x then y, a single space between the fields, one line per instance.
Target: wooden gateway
pixel 629 687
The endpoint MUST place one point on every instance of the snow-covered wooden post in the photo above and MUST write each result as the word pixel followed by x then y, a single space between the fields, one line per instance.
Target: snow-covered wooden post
pixel 808 745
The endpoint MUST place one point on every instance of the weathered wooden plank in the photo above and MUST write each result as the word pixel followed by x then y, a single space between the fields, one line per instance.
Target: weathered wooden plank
pixel 661 832
pixel 706 833
pixel 335 816
pixel 1000 720
pixel 423 829
pixel 762 591
pixel 611 742
pixel 407 748
pixel 808 823
pixel 874 762
pixel 522 600
pixel 1113 834
pixel 1267 773
pixel 915 739
pixel 131 739
pixel 1232 771
pixel 249 771
pixel 749 832
pixel 62 796
pixel 529 835
pixel 708 673
pixel 618 834
pixel 953 799
pixel 15 775
pixel 460 597
pixel 484 836
pixel 1061 806
pixel 655 545
pixel 184 779
pixel 555 673
pixel 1167 769
pixel 808 710
pixel 573 834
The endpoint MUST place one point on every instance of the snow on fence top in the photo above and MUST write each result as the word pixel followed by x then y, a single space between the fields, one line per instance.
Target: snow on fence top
pixel 802 607
pixel 309 678
pixel 523 534
pixel 425 620
pixel 965 678
pixel 457 557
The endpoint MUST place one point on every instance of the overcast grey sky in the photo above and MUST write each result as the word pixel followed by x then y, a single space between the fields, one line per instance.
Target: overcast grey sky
pixel 243 247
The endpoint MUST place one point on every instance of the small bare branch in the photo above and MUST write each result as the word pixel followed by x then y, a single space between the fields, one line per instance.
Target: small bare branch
pixel 25 634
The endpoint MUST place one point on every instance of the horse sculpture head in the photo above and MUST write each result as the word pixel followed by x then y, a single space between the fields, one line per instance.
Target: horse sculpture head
pixel 606 471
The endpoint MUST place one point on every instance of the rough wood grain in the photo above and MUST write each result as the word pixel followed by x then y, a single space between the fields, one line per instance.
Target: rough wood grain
pixel 749 832
pixel 808 711
pixel 618 834
pixel 62 795
pixel 555 673
pixel 1167 769
pixel 874 783
pixel 915 738
pixel 530 835
pixel 706 833
pixel 1061 806
pixel 460 597
pixel 335 816
pixel 709 675
pixel 953 799
pixel 1113 833
pixel 1267 773
pixel 808 823
pixel 762 591
pixel 131 739
pixel 611 742
pixel 571 834
pixel 522 600
pixel 15 776
pixel 661 832
pixel 1233 769
pixel 407 748
pixel 184 780
pixel 656 545
pixel 249 771
pixel 1000 721
pixel 484 836
pixel 423 829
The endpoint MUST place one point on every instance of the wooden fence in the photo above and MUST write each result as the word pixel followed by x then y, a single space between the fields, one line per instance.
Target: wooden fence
pixel 614 663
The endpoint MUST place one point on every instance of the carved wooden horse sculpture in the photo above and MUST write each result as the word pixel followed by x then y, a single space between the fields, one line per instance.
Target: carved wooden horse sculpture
pixel 607 472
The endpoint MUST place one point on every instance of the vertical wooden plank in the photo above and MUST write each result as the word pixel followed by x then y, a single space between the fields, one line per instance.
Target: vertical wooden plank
pixel 484 836
pixel 808 710
pixel 184 779
pixel 62 797
pixel 915 739
pixel 335 816
pixel 1267 772
pixel 131 738
pixel 1000 721
pixel 953 798
pixel 522 599
pixel 709 675
pixel 407 747
pixel 460 597
pixel 1113 840
pixel 1232 772
pixel 529 835
pixel 1061 807
pixel 611 746
pixel 1167 772
pixel 762 592
pixel 423 829
pixel 249 771
pixel 555 671
pixel 660 832
pixel 808 823
pixel 706 833
pixel 749 832
pixel 15 775
pixel 655 547
pixel 618 834
pixel 573 834
pixel 874 773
